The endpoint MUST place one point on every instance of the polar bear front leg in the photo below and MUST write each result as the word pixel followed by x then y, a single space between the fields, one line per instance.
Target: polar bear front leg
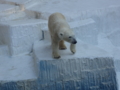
pixel 62 45
pixel 55 47
pixel 73 48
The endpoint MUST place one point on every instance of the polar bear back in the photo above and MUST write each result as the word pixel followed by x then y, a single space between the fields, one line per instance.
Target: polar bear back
pixel 56 22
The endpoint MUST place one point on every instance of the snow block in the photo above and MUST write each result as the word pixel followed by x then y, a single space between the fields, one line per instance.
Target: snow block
pixel 88 69
pixel 20 35
pixel 78 74
pixel 19 85
pixel 69 74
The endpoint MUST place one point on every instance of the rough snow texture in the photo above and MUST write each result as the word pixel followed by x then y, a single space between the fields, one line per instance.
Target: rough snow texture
pixel 118 80
pixel 21 35
pixel 17 68
pixel 17 73
pixel 30 84
pixel 77 74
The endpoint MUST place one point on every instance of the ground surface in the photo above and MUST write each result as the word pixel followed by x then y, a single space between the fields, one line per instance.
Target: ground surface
pixel 17 68
pixel 82 50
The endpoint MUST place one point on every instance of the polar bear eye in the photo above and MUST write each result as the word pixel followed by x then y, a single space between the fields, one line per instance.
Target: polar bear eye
pixel 61 34
pixel 70 37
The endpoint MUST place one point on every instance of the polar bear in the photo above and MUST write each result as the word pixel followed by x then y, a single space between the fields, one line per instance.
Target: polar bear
pixel 60 31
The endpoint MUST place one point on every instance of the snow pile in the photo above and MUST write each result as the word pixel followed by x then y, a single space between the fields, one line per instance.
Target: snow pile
pixel 20 35
pixel 17 68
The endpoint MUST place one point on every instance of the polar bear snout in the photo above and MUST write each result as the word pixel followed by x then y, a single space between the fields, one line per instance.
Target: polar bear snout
pixel 74 41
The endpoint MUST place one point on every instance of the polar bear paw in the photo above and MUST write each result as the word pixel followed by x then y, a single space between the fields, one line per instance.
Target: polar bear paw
pixel 72 48
pixel 73 51
pixel 56 56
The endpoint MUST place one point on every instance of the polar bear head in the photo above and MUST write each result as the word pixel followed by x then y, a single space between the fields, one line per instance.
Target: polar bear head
pixel 68 36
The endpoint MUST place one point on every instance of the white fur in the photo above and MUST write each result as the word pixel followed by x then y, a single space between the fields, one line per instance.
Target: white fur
pixel 60 30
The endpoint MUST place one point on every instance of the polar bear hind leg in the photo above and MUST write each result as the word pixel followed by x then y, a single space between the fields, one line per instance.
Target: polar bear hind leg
pixel 62 45
pixel 55 47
